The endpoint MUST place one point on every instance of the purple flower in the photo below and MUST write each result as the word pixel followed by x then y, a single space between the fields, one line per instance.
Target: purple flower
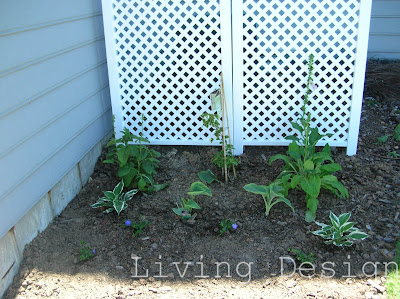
pixel 128 222
pixel 314 86
pixel 94 251
pixel 234 226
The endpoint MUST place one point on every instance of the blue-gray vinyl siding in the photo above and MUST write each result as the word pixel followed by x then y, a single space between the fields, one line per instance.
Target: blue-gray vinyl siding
pixel 55 103
pixel 384 37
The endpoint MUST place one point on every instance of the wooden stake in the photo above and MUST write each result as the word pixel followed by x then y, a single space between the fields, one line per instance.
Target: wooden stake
pixel 223 130
pixel 223 103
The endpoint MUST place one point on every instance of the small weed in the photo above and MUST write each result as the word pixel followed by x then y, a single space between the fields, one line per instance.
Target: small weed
pixel 383 139
pixel 86 252
pixel 371 102
pixel 227 225
pixel 301 256
pixel 137 227
pixel 393 154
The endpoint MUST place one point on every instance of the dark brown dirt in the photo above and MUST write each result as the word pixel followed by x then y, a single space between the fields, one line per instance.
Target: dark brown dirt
pixel 51 266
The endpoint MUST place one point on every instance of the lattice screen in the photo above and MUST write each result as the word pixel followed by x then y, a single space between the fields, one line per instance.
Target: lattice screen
pixel 169 60
pixel 165 56
pixel 278 37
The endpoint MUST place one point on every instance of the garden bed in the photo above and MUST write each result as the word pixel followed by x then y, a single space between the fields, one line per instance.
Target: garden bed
pixel 52 268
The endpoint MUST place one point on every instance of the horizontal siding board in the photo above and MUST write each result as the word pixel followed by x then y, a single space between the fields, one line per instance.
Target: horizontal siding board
pixel 35 151
pixel 385 8
pixel 45 76
pixel 38 43
pixel 388 44
pixel 25 13
pixel 21 199
pixel 50 107
pixel 385 30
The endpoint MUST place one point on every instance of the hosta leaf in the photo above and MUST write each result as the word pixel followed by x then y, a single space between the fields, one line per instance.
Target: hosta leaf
pixel 109 194
pixel 348 243
pixel 198 188
pixel 346 226
pixel 128 195
pixel 207 176
pixel 358 235
pixel 119 205
pixel 118 189
pixel 334 220
pixel 344 218
pixel 178 211
pixel 256 189
pixel 158 187
pixel 192 204
pixel 286 201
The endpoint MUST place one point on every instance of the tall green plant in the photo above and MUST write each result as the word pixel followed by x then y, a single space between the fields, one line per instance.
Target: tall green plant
pixel 305 168
pixel 137 163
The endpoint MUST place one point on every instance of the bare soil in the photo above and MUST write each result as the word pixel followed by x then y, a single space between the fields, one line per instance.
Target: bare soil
pixel 255 251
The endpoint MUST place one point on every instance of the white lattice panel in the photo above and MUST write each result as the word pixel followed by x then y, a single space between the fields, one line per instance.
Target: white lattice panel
pixel 169 60
pixel 277 38
pixel 164 59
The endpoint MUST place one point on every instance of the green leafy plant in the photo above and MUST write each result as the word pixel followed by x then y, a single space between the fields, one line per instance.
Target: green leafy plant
pixel 383 139
pixel 271 195
pixel 184 209
pixel 227 225
pixel 340 232
pixel 137 227
pixel 396 134
pixel 86 252
pixel 393 154
pixel 305 168
pixel 301 256
pixel 371 102
pixel 207 176
pixel 115 200
pixel 137 163
pixel 220 159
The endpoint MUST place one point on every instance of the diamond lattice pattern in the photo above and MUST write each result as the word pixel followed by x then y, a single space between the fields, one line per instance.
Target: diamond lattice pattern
pixel 169 60
pixel 279 36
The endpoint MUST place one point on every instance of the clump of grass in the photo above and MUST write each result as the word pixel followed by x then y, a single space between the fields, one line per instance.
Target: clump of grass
pixel 393 279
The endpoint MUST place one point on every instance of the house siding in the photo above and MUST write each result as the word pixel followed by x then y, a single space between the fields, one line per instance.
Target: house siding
pixel 384 37
pixel 55 103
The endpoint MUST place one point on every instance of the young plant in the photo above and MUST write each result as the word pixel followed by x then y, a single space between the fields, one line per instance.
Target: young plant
pixel 393 154
pixel 301 256
pixel 226 225
pixel 340 232
pixel 207 176
pixel 396 134
pixel 184 209
pixel 137 163
pixel 221 158
pixel 305 168
pixel 383 139
pixel 86 252
pixel 271 195
pixel 115 200
pixel 137 227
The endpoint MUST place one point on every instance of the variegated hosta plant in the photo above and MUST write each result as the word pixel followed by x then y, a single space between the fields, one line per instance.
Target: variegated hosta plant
pixel 340 232
pixel 115 200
